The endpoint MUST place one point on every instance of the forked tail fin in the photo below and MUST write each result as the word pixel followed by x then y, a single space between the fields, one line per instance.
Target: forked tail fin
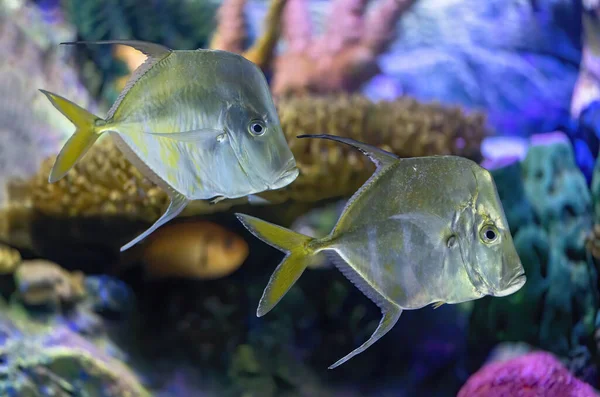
pixel 86 133
pixel 298 252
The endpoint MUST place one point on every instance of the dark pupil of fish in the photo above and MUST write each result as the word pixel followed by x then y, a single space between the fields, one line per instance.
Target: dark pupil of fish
pixel 490 235
pixel 257 128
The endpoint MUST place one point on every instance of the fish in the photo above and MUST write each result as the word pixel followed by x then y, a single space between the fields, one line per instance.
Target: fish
pixel 196 249
pixel 201 124
pixel 419 231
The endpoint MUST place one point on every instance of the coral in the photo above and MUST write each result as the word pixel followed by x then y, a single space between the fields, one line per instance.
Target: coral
pixel 593 242
pixel 104 183
pixel 556 308
pixel 42 282
pixel 342 59
pixel 10 258
pixel 518 209
pixel 595 190
pixel 230 33
pixel 534 374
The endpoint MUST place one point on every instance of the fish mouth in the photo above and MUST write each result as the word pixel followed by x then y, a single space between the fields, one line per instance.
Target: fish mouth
pixel 514 285
pixel 287 177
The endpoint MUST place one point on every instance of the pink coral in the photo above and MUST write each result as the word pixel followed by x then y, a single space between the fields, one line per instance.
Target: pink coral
pixel 343 57
pixel 531 375
pixel 339 60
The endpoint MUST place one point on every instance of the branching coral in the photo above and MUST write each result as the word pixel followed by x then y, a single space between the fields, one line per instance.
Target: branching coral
pixel 104 183
pixel 230 33
pixel 342 59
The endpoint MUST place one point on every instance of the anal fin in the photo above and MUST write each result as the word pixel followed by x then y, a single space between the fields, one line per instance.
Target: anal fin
pixel 177 204
pixel 391 312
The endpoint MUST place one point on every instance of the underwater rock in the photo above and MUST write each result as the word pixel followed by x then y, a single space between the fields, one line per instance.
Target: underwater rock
pixel 556 309
pixel 107 295
pixel 10 258
pixel 534 374
pixel 58 362
pixel 41 282
pixel 271 373
pixel 595 190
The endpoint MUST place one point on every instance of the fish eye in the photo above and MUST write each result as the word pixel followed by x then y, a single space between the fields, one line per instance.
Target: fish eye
pixel 257 127
pixel 489 234
pixel 451 242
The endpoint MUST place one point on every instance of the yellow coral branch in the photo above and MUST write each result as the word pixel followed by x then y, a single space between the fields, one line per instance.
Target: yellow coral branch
pixel 261 53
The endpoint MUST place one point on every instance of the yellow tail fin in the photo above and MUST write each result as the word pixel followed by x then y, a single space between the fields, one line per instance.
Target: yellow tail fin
pixel 85 135
pixel 295 245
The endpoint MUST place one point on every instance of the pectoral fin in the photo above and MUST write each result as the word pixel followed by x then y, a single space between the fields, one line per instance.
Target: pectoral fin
pixel 178 203
pixel 206 135
pixel 438 304
pixel 253 199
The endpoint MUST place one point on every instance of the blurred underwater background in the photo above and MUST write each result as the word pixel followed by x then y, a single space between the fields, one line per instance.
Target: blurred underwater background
pixel 513 85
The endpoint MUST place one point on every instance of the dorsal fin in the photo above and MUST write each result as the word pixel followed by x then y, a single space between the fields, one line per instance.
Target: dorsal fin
pixel 154 52
pixel 381 158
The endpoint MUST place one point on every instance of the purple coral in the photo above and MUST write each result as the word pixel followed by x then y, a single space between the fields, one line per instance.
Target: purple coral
pixel 533 374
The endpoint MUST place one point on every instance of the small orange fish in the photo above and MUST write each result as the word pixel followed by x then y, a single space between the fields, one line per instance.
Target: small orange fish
pixel 196 249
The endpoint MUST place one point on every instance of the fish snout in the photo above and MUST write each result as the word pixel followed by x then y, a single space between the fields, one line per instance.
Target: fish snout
pixel 513 284
pixel 289 174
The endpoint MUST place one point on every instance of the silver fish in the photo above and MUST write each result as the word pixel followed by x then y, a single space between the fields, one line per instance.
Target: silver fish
pixel 200 124
pixel 420 231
